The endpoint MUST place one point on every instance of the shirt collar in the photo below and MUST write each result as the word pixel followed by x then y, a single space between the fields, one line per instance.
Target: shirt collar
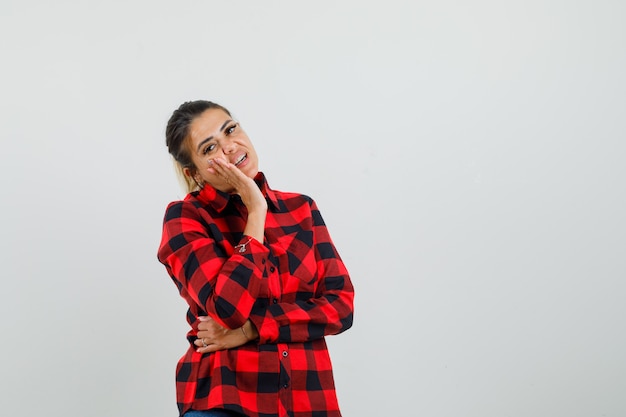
pixel 219 199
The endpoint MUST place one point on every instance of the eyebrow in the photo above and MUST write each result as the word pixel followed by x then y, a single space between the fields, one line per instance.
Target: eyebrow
pixel 211 137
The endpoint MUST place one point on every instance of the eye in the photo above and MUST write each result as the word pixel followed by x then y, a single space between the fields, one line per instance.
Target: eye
pixel 230 129
pixel 209 148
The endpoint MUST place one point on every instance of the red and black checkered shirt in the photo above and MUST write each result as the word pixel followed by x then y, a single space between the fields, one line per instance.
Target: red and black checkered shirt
pixel 293 287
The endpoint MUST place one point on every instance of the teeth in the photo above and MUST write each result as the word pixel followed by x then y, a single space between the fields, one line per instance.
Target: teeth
pixel 241 159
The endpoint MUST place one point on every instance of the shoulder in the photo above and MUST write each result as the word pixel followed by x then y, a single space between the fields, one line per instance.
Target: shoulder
pixel 188 207
pixel 291 200
pixel 284 199
pixel 299 206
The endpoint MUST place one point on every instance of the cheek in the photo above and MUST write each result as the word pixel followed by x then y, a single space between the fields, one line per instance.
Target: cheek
pixel 208 176
pixel 213 179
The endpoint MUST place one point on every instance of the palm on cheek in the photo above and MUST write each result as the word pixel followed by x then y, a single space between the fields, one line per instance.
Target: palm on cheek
pixel 241 184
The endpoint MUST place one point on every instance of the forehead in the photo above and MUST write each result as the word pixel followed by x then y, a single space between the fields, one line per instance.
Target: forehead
pixel 208 123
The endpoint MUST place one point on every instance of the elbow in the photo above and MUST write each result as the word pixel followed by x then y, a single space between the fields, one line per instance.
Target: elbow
pixel 346 311
pixel 343 322
pixel 346 322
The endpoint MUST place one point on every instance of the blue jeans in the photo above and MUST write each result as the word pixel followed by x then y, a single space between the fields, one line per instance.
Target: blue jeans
pixel 212 413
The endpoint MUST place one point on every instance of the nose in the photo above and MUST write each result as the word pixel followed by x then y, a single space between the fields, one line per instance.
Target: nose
pixel 228 146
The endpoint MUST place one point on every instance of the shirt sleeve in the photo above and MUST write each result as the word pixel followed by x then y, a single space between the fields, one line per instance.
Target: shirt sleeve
pixel 329 311
pixel 197 258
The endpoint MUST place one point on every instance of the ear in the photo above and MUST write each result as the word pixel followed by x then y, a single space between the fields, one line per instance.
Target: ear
pixel 192 175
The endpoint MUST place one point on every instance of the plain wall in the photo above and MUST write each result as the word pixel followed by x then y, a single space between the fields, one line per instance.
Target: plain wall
pixel 468 158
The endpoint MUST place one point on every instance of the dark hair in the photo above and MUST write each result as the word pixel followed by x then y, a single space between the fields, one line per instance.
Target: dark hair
pixel 177 129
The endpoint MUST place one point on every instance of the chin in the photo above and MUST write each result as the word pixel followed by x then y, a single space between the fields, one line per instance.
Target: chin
pixel 252 171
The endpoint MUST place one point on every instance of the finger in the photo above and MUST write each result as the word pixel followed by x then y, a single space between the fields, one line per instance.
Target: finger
pixel 210 348
pixel 205 323
pixel 222 161
pixel 207 349
pixel 203 341
pixel 227 168
pixel 224 169
pixel 221 164
pixel 215 169
pixel 207 326
pixel 207 335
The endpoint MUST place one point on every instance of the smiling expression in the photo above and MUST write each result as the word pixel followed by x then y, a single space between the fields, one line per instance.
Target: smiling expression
pixel 214 134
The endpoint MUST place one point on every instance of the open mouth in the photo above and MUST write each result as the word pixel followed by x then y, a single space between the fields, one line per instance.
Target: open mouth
pixel 240 160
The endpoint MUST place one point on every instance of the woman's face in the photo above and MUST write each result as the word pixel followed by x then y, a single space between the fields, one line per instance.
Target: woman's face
pixel 214 134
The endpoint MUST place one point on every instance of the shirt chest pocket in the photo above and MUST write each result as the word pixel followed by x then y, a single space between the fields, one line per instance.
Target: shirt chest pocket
pixel 295 254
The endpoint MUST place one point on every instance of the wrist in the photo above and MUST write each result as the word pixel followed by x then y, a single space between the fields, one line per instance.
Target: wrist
pixel 249 331
pixel 243 330
pixel 259 212
pixel 255 225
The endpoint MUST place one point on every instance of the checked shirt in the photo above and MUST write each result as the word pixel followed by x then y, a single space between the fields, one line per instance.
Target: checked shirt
pixel 293 286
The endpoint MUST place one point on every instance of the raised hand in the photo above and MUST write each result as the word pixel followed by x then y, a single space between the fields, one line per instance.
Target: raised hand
pixel 249 192
pixel 247 189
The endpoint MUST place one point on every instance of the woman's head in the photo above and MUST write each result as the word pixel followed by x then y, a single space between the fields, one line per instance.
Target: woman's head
pixel 199 131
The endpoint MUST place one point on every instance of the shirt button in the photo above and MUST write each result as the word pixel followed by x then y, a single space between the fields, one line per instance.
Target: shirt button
pixel 263 261
pixel 275 300
pixel 272 269
pixel 285 385
pixel 285 353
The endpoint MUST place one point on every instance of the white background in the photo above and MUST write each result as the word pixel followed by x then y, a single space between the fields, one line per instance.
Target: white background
pixel 468 158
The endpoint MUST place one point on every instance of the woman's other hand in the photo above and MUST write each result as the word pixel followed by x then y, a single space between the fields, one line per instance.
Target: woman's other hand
pixel 213 337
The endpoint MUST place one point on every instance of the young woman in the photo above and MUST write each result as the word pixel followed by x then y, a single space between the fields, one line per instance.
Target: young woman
pixel 262 278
